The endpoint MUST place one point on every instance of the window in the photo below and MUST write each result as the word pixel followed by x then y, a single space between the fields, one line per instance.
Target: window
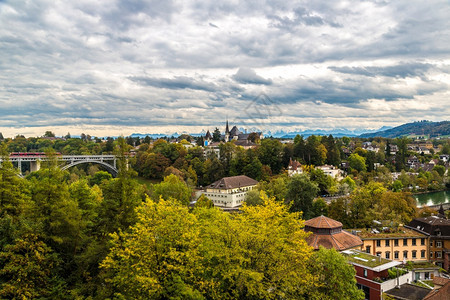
pixel 427 275
pixel 405 242
pixel 388 255
pixel 387 243
pixel 431 243
pixel 405 254
pixel 422 242
pixel 413 242
pixel 396 255
pixel 422 254
pixel 378 243
pixel 367 249
pixel 438 244
pixel 379 254
pixel 396 243
pixel 431 254
pixel 414 254
pixel 365 272
pixel 438 254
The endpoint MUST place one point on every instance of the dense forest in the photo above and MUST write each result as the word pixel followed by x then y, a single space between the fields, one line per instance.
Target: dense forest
pixel 98 237
pixel 84 234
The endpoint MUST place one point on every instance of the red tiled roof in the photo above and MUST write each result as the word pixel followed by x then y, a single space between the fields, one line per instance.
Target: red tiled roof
pixel 339 241
pixel 439 294
pixel 440 280
pixel 294 164
pixel 323 222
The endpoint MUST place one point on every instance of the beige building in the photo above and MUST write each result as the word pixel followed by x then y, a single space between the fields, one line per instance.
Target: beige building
pixel 229 192
pixel 401 245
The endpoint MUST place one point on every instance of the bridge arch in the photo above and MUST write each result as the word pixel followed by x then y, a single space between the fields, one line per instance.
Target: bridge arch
pixel 111 169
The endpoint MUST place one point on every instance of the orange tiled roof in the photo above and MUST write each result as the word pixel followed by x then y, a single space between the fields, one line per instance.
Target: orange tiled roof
pixel 323 222
pixel 339 241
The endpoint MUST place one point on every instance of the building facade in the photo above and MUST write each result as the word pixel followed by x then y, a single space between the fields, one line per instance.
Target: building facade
pixel 437 228
pixel 229 192
pixel 372 275
pixel 403 244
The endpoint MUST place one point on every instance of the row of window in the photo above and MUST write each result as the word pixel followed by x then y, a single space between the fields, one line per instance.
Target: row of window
pixel 438 254
pixel 387 243
pixel 438 244
pixel 405 254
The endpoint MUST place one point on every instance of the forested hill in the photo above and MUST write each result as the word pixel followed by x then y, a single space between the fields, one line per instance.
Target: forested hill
pixel 431 129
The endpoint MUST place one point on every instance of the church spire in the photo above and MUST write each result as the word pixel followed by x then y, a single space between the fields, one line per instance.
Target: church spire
pixel 227 130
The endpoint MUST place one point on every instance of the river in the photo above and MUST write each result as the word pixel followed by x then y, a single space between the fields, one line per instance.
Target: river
pixel 433 198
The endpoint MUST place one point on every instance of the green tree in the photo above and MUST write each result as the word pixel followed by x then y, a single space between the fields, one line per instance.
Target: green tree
pixel 357 162
pixel 270 153
pixel 29 270
pixel 99 177
pixel 336 275
pixel 439 169
pixel 158 258
pixel 255 197
pixel 217 137
pixel 300 194
pixel 172 187
pixel 260 253
pixel 276 187
pixel 397 186
pixel 319 208
pixel 204 201
pixel 49 134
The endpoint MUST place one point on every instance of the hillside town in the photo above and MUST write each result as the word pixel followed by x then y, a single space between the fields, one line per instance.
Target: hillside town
pixel 355 194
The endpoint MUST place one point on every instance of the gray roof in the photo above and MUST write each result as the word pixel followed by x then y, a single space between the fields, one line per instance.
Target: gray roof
pixel 233 182
pixel 409 291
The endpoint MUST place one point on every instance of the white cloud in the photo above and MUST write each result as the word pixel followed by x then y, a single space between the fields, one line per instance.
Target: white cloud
pixel 186 64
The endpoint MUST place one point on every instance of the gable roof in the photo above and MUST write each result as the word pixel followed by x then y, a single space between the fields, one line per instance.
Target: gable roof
pixel 234 131
pixel 233 182
pixel 294 165
pixel 431 225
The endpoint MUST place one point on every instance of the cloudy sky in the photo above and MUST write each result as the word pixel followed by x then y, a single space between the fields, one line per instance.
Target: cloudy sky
pixel 116 67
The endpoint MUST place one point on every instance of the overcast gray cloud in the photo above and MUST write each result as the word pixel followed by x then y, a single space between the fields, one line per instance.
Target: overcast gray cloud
pixel 165 66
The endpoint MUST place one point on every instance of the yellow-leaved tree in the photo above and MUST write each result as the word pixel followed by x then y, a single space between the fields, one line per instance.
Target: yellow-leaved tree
pixel 173 252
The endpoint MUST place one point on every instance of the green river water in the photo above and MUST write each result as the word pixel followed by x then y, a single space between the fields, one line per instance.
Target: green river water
pixel 432 198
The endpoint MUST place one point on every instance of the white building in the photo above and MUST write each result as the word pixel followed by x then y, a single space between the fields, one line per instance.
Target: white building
pixel 229 192
pixel 331 171
pixel 294 167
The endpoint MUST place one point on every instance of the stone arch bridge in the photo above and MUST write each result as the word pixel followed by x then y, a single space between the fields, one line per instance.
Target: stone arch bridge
pixel 67 161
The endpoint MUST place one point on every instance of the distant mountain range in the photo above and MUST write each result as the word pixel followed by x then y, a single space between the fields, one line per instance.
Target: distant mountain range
pixel 425 128
pixel 339 132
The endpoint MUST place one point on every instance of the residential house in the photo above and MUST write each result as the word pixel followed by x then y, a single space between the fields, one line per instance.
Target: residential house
pixel 294 167
pixel 331 171
pixel 437 228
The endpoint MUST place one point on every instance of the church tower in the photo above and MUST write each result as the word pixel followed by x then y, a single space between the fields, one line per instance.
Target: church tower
pixel 227 133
